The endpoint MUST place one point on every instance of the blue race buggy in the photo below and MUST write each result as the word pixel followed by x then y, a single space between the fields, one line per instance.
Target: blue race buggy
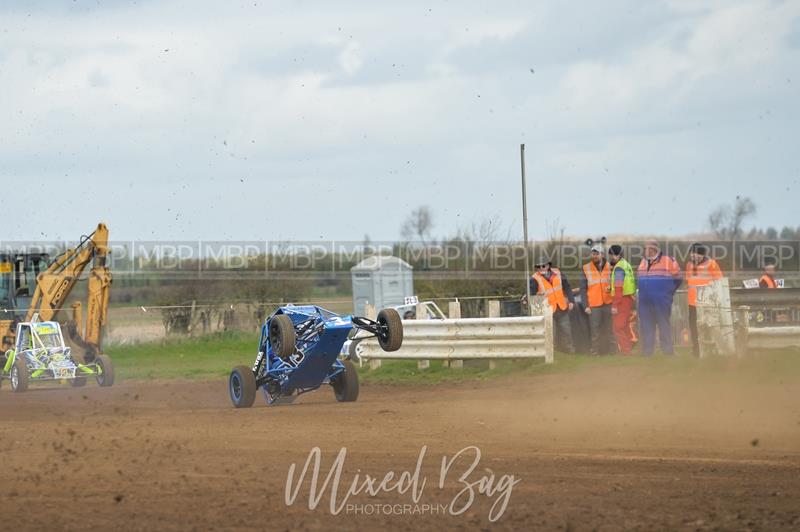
pixel 299 351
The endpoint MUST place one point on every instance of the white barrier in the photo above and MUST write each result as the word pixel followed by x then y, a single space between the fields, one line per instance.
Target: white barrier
pixel 469 339
pixel 770 337
pixel 773 337
pixel 715 325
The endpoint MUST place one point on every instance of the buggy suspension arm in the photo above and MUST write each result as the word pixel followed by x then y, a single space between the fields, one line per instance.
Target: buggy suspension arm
pixel 371 326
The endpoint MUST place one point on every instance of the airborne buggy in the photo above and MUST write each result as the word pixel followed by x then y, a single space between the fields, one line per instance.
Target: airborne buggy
pixel 41 355
pixel 299 351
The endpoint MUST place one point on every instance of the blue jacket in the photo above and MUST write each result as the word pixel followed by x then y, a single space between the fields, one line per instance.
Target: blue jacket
pixel 658 280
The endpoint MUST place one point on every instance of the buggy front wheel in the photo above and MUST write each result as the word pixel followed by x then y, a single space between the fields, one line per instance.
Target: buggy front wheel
pixel 242 387
pixel 105 370
pixel 390 335
pixel 19 375
pixel 345 384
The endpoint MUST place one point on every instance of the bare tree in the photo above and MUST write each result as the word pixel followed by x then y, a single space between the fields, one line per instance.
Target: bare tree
pixel 472 274
pixel 555 237
pixel 726 220
pixel 366 245
pixel 484 232
pixel 418 224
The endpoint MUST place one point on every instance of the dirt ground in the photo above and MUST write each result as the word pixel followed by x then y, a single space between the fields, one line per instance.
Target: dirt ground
pixel 605 449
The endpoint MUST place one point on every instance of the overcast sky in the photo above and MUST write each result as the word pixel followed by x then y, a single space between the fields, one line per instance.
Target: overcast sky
pixel 305 120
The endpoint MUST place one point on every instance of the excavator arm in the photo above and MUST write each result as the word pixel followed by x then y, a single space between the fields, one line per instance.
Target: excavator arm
pixel 54 285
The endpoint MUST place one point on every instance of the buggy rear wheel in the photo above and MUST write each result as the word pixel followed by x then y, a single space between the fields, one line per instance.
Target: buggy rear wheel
pixel 391 335
pixel 19 375
pixel 78 382
pixel 353 350
pixel 105 375
pixel 345 384
pixel 281 335
pixel 242 387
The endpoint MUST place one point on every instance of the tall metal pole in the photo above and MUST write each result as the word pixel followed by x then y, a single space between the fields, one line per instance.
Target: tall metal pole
pixel 525 227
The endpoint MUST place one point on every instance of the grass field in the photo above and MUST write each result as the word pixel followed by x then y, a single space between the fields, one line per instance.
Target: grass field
pixel 213 357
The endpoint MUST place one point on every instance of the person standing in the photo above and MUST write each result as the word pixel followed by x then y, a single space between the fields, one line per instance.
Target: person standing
pixel 623 298
pixel 596 292
pixel 768 277
pixel 700 271
pixel 769 281
pixel 659 278
pixel 549 282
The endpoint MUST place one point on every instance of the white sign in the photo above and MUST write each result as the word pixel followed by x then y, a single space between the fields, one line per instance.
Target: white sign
pixel 754 283
pixel 410 300
pixel 750 283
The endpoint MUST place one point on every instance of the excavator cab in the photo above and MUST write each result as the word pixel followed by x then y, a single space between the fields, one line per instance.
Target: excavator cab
pixel 6 291
pixel 18 278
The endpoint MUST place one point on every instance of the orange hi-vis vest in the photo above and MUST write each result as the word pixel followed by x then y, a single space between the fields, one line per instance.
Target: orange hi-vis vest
pixel 701 274
pixel 769 281
pixel 598 284
pixel 552 289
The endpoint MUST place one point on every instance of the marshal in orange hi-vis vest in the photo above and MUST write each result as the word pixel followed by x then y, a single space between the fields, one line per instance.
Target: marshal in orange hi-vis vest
pixel 768 281
pixel 552 289
pixel 598 284
pixel 700 275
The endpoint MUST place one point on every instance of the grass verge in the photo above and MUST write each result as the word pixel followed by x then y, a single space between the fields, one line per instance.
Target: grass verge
pixel 213 356
pixel 195 358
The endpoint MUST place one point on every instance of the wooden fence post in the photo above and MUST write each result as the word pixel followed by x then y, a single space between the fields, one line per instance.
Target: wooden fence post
pixel 422 314
pixel 548 334
pixel 742 328
pixel 494 312
pixel 454 310
pixel 454 313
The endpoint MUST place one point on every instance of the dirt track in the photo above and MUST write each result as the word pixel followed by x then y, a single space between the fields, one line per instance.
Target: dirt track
pixel 606 449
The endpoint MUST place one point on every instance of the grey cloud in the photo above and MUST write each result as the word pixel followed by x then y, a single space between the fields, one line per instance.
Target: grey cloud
pixel 218 139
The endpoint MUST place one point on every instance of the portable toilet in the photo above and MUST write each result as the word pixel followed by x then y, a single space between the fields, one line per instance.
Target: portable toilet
pixel 381 281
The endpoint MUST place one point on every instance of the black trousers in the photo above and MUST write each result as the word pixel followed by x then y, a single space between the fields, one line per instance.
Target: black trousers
pixel 563 337
pixel 600 330
pixel 693 330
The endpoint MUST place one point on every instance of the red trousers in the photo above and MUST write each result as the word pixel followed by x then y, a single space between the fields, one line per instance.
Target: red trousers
pixel 621 324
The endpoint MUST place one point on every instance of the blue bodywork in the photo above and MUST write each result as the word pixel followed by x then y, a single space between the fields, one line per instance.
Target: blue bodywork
pixel 320 336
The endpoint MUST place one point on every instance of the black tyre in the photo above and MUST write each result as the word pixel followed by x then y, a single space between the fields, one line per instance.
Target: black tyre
pixel 78 382
pixel 105 375
pixel 281 335
pixel 242 387
pixel 391 336
pixel 345 384
pixel 19 375
pixel 3 360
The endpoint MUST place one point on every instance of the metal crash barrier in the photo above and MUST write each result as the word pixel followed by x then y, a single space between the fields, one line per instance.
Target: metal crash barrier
pixel 470 339
pixel 773 337
pixel 737 320
pixel 768 319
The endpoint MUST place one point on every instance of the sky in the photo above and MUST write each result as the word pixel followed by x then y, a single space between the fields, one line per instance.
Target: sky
pixel 258 120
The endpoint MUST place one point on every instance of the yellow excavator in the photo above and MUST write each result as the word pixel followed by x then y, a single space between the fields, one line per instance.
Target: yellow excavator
pixel 31 284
